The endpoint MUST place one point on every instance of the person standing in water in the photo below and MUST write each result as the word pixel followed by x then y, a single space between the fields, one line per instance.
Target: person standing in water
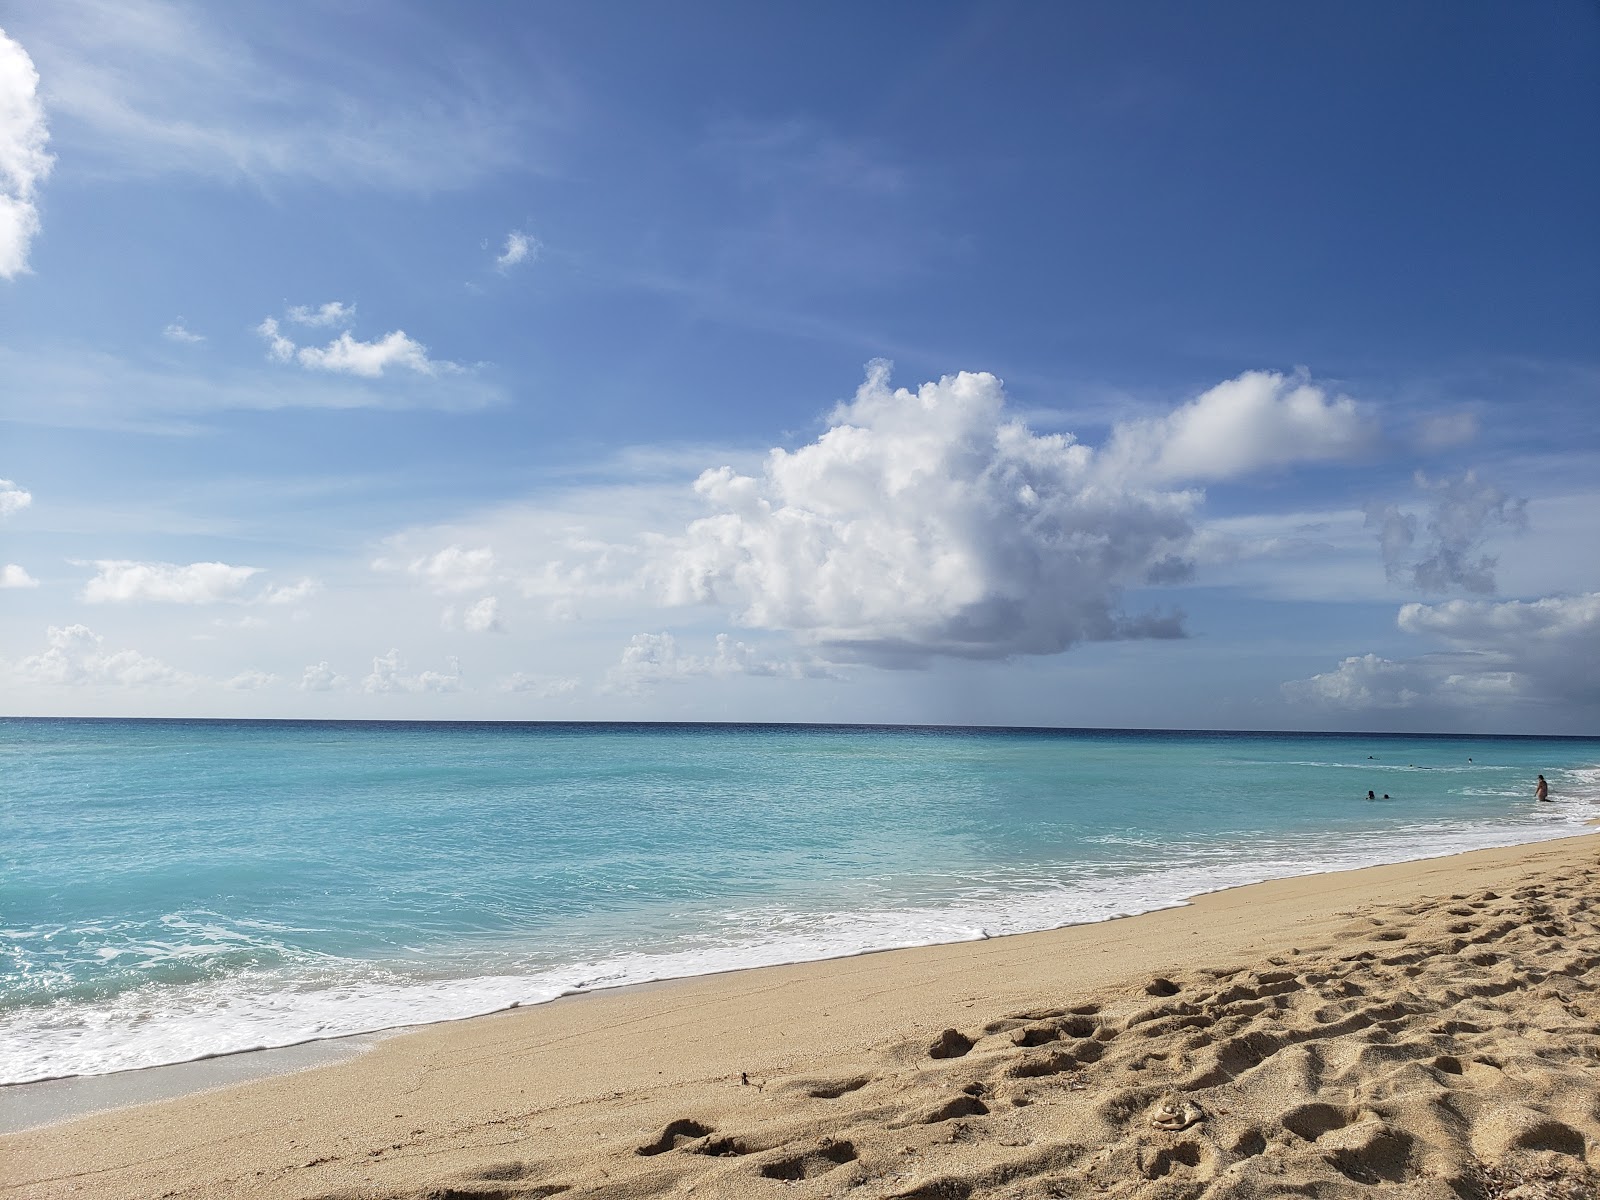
pixel 1542 792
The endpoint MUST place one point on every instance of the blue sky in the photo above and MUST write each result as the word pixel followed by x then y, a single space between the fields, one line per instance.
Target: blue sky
pixel 1093 364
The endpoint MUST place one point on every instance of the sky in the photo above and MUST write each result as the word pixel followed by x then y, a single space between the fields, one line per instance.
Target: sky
pixel 1145 365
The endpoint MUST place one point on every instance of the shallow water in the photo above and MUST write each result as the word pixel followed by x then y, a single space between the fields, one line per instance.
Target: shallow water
pixel 174 889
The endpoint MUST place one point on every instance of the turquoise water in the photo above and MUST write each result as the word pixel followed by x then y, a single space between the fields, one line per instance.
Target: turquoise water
pixel 174 889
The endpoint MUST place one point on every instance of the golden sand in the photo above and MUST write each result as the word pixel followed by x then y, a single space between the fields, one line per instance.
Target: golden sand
pixel 1424 1030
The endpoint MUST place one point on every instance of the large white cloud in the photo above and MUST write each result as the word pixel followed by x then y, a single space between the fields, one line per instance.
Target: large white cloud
pixel 24 163
pixel 1520 652
pixel 1261 420
pixel 14 576
pixel 929 522
pixel 121 581
pixel 75 656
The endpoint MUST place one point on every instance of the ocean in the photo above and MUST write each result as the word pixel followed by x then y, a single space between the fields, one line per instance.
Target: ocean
pixel 179 889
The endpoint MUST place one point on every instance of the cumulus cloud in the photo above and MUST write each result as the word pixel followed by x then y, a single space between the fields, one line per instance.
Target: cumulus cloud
pixel 453 569
pixel 388 675
pixel 120 581
pixel 181 333
pixel 75 656
pixel 1461 516
pixel 519 248
pixel 1538 652
pixel 13 576
pixel 249 681
pixel 653 658
pixel 545 687
pixel 346 354
pixel 13 498
pixel 1259 421
pixel 24 162
pixel 480 616
pixel 320 677
pixel 335 313
pixel 930 523
pixel 292 593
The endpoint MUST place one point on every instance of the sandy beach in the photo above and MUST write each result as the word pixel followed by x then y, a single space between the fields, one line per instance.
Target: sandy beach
pixel 1429 1029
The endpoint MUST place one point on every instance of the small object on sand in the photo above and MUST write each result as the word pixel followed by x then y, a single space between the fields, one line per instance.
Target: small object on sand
pixel 1175 1113
pixel 744 1079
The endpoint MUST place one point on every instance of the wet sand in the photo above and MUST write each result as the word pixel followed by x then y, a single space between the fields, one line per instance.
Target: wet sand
pixel 1423 1030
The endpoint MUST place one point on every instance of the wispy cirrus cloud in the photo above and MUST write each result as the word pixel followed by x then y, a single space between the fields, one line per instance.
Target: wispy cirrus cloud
pixel 173 87
pixel 76 386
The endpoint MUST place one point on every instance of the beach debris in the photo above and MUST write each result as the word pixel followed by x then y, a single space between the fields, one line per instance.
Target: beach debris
pixel 950 1044
pixel 1175 1113
pixel 1161 986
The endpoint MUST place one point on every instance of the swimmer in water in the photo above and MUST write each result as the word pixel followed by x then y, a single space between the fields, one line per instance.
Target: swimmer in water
pixel 1542 792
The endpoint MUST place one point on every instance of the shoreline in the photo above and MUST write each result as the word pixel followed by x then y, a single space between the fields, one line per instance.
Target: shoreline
pixel 611 1062
pixel 67 1097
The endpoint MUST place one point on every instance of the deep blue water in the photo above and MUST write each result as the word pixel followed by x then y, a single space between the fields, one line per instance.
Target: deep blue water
pixel 179 888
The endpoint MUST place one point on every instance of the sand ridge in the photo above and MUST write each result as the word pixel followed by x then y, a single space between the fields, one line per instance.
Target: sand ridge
pixel 1430 1046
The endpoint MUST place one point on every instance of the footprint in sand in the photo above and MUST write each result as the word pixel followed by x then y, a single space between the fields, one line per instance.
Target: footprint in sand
pixel 677 1133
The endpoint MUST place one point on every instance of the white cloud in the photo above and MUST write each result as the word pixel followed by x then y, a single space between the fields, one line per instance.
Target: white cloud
pixel 13 498
pixel 179 332
pixel 1538 652
pixel 1461 516
pixel 24 162
pixel 388 675
pixel 347 355
pixel 334 312
pixel 483 616
pixel 292 593
pixel 519 248
pixel 13 576
pixel 546 687
pixel 1445 431
pixel 79 386
pixel 121 581
pixel 249 681
pixel 1259 421
pixel 321 678
pixel 652 658
pixel 279 348
pixel 453 569
pixel 74 657
pixel 928 523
